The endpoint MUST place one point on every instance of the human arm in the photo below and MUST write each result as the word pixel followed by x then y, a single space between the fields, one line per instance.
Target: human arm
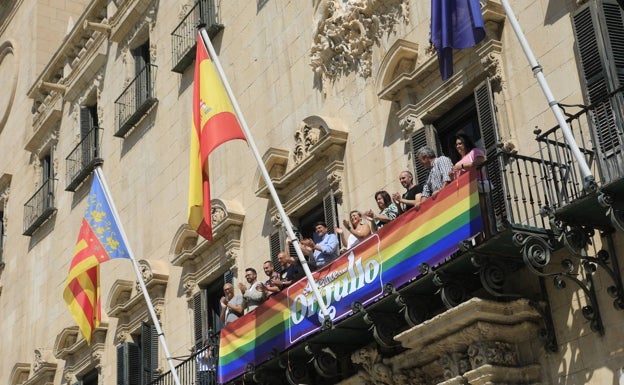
pixel 343 236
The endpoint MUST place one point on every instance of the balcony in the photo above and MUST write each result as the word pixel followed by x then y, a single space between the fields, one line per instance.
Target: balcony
pixel 39 207
pixel 136 99
pixel 184 37
pixel 83 159
pixel 187 373
pixel 598 130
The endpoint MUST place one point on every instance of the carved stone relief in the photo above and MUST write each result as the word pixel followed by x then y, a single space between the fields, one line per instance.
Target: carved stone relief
pixel 345 32
pixel 305 139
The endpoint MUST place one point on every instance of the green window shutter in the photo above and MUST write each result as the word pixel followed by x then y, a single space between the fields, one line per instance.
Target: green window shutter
pixel 275 247
pixel 149 351
pixel 599 30
pixel 128 364
pixel 418 140
pixel 486 115
pixel 199 317
pixel 329 211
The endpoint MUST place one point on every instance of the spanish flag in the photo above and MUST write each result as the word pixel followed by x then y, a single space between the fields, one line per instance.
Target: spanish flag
pixel 99 240
pixel 214 122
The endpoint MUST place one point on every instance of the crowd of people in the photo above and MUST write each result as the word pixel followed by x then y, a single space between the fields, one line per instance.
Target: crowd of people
pixel 324 246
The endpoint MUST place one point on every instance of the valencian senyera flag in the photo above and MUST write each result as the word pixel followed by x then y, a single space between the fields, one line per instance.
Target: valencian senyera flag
pixel 99 240
pixel 214 122
pixel 455 24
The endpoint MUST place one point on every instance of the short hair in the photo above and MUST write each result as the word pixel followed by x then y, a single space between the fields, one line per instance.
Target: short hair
pixel 252 270
pixel 386 197
pixel 320 223
pixel 271 262
pixel 426 152
pixel 355 211
pixel 408 173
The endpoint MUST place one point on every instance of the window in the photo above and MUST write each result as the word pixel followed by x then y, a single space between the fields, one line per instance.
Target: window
pixel 598 28
pixel 86 155
pixel 206 309
pixel 91 378
pixel 137 362
pixel 138 97
pixel 475 117
pixel 325 211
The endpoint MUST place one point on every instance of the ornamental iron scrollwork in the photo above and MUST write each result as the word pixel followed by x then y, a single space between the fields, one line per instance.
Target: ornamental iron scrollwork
pixel 452 291
pixel 384 326
pixel 536 253
pixel 415 309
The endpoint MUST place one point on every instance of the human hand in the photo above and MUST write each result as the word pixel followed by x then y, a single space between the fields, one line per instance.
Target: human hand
pixel 224 301
pixel 396 198
pixel 346 223
pixel 242 287
pixel 338 230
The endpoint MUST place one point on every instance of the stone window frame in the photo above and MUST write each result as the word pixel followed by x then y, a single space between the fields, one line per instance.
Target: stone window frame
pixel 80 358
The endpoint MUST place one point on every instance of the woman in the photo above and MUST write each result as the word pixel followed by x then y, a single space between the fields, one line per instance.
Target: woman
pixel 358 229
pixel 389 211
pixel 471 156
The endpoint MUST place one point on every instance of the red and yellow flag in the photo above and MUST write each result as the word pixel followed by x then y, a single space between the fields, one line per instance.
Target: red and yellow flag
pixel 214 122
pixel 99 240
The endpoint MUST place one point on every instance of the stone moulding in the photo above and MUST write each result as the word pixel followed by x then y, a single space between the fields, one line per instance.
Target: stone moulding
pixel 319 145
pixel 477 342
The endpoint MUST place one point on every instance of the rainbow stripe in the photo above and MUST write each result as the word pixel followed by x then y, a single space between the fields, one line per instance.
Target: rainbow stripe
pixel 429 235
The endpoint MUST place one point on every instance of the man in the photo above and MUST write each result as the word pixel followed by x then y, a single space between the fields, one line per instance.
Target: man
pixel 323 248
pixel 291 272
pixel 412 193
pixel 439 168
pixel 268 286
pixel 253 296
pixel 231 305
pixel 206 364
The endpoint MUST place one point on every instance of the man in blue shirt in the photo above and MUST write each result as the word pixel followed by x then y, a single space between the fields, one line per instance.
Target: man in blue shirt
pixel 324 246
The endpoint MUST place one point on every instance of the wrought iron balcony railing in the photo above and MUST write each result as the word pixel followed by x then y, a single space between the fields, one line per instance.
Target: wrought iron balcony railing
pixel 39 207
pixel 83 159
pixel 136 99
pixel 184 37
pixel 520 190
pixel 598 130
pixel 188 374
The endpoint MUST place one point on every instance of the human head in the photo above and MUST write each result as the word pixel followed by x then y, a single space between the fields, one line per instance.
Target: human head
pixel 267 266
pixel 320 228
pixel 283 258
pixel 228 290
pixel 355 217
pixel 250 275
pixel 463 144
pixel 426 155
pixel 406 178
pixel 383 199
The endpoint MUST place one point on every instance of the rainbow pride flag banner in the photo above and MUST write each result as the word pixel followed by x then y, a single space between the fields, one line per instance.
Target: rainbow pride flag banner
pixel 429 235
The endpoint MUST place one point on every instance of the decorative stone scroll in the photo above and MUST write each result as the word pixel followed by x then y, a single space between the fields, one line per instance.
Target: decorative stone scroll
pixel 346 31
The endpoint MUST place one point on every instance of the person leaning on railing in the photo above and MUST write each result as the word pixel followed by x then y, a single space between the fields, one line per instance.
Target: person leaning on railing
pixel 206 364
pixel 358 228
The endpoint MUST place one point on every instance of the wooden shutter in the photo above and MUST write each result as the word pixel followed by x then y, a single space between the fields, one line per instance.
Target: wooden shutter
pixel 149 353
pixel 486 115
pixel 419 140
pixel 599 31
pixel 329 211
pixel 275 247
pixel 128 364
pixel 200 318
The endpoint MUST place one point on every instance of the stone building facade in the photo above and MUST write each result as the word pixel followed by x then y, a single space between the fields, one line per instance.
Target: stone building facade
pixel 338 95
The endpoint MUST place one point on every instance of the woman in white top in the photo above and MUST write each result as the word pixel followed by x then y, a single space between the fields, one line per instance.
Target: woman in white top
pixel 358 229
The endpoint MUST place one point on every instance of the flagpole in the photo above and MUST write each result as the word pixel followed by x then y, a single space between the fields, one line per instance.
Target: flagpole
pixel 135 265
pixel 589 182
pixel 265 174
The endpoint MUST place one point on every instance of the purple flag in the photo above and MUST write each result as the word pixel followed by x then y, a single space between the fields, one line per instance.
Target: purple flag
pixel 455 24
